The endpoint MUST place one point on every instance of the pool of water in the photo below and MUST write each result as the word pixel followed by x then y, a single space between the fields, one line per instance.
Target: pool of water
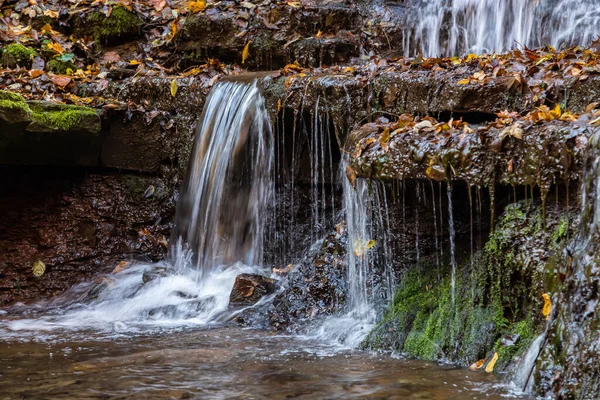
pixel 221 362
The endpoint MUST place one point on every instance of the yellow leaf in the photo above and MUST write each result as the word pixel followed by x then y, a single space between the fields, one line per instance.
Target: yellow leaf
pixel 556 112
pixel 197 6
pixel 547 306
pixel 51 14
pixel 246 52
pixel 174 87
pixel 385 137
pixel 477 364
pixel 46 29
pixel 464 81
pixel 38 268
pixel 472 57
pixel 370 244
pixel 319 34
pixel 492 363
pixel 278 105
pixel 56 47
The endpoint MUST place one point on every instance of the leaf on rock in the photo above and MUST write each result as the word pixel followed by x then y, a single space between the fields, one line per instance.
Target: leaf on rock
pixel 38 268
pixel 197 6
pixel 174 87
pixel 246 52
pixel 477 364
pixel 492 363
pixel 351 175
pixel 60 80
pixel 547 309
pixel 121 266
pixel 465 81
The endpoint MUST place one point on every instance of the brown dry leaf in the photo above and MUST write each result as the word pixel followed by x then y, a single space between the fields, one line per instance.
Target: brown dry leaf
pixel 34 73
pixel 60 80
pixel 591 107
pixel 246 52
pixel 46 29
pixel 121 266
pixel 492 363
pixel 351 175
pixel 111 56
pixel 477 364
pixel 547 309
pixel 285 270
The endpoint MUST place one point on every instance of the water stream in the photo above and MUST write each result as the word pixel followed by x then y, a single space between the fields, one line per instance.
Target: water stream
pixel 452 27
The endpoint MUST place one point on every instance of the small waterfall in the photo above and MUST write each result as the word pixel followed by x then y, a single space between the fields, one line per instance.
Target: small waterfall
pixel 452 27
pixel 371 279
pixel 218 231
pixel 221 211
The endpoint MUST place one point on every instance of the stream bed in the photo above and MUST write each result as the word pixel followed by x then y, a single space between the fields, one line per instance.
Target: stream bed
pixel 222 362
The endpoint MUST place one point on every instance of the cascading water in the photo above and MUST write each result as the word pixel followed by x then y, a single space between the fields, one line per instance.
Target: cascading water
pixel 218 232
pixel 221 210
pixel 451 27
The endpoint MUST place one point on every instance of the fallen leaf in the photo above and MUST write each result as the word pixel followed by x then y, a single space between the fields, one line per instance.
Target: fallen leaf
pixel 56 47
pixel 174 87
pixel 197 6
pixel 34 73
pixel 60 80
pixel 246 52
pixel 547 309
pixel 465 81
pixel 38 268
pixel 351 175
pixel 492 363
pixel 121 266
pixel 477 364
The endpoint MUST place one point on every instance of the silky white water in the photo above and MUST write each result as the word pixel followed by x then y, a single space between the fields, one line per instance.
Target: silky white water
pixel 218 233
pixel 453 27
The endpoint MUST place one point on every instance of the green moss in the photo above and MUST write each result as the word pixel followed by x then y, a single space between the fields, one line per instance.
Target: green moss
pixel 121 23
pixel 497 296
pixel 561 230
pixel 15 105
pixel 62 117
pixel 61 67
pixel 16 54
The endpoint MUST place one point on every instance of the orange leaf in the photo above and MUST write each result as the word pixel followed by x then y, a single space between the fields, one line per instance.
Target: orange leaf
pixel 34 73
pixel 197 6
pixel 60 80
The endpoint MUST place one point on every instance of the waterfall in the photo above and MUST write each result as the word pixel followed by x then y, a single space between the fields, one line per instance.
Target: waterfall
pixel 218 233
pixel 221 211
pixel 451 27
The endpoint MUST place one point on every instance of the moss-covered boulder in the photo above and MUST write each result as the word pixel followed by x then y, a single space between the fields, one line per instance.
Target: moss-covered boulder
pixel 492 305
pixel 13 108
pixel 52 117
pixel 16 54
pixel 121 25
pixel 61 67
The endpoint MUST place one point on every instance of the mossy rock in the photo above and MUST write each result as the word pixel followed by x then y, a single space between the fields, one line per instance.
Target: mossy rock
pixel 120 26
pixel 16 54
pixel 497 302
pixel 61 67
pixel 52 117
pixel 13 108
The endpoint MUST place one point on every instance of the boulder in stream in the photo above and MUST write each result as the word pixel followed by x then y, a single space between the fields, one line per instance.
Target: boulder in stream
pixel 249 289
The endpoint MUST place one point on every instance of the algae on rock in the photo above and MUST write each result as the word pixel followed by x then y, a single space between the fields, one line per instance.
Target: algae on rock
pixel 498 302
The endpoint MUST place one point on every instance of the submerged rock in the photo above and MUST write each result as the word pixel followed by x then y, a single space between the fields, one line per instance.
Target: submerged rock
pixel 248 289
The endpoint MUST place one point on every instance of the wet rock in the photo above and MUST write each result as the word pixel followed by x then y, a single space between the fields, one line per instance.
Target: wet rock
pixel 154 273
pixel 249 289
pixel 315 287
